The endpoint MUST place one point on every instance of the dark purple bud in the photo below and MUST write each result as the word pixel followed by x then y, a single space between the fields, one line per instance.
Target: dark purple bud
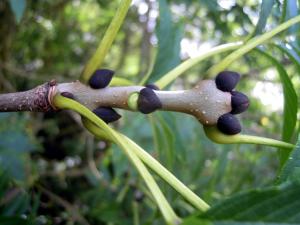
pixel 107 114
pixel 101 78
pixel 67 95
pixel 227 80
pixel 229 124
pixel 138 196
pixel 148 101
pixel 152 86
pixel 239 102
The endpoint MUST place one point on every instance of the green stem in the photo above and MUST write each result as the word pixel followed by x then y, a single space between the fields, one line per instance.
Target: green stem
pixel 215 135
pixel 135 209
pixel 190 196
pixel 166 210
pixel 97 59
pixel 179 70
pixel 250 45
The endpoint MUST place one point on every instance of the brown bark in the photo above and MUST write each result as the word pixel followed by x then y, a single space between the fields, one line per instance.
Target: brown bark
pixel 35 100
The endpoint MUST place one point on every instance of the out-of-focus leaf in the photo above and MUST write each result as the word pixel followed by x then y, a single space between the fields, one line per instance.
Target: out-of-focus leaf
pixel 250 45
pixel 18 8
pixel 14 163
pixel 195 221
pixel 165 139
pixel 290 105
pixel 271 205
pixel 265 11
pixel 292 53
pixel 5 220
pixel 15 140
pixel 291 170
pixel 18 206
pixel 169 36
pixel 290 10
pixel 15 145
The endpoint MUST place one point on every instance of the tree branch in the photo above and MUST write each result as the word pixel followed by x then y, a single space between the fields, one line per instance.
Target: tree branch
pixel 35 100
pixel 206 102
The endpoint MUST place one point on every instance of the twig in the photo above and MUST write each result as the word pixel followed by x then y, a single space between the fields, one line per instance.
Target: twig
pixel 68 206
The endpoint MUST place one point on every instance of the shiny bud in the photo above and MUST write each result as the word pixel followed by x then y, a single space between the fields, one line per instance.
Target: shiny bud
pixel 229 124
pixel 148 101
pixel 107 114
pixel 227 80
pixel 101 78
pixel 239 102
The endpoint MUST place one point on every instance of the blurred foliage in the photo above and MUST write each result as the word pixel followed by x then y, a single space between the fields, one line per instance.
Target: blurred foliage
pixel 48 177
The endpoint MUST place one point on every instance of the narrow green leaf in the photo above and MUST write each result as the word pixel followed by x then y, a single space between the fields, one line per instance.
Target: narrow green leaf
pixel 179 70
pixel 290 104
pixel 291 170
pixel 97 59
pixel 169 36
pixel 166 141
pixel 124 143
pixel 18 8
pixel 250 45
pixel 269 205
pixel 292 53
pixel 290 10
pixel 265 11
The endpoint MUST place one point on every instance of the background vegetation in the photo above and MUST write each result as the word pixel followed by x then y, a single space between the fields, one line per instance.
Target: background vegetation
pixel 55 172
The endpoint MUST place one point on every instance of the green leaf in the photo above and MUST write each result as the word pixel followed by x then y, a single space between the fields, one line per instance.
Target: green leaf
pixel 18 8
pixel 165 139
pixel 265 11
pixel 290 104
pixel 250 45
pixel 169 36
pixel 290 10
pixel 292 53
pixel 5 220
pixel 194 221
pixel 291 170
pixel 274 205
pixel 16 140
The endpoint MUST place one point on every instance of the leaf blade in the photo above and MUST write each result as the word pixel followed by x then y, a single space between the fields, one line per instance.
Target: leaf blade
pixel 291 170
pixel 270 205
pixel 169 35
pixel 18 8
pixel 265 11
pixel 290 104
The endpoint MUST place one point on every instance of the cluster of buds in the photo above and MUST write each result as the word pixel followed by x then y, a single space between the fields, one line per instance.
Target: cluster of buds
pixel 212 102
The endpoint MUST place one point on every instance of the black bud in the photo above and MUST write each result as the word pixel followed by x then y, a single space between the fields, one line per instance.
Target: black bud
pixel 138 196
pixel 152 86
pixel 107 114
pixel 67 95
pixel 229 124
pixel 227 80
pixel 148 101
pixel 101 78
pixel 239 102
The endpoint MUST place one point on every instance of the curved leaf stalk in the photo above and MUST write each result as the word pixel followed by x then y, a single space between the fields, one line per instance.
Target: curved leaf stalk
pixel 190 196
pixel 97 59
pixel 215 135
pixel 162 203
pixel 179 70
pixel 251 44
